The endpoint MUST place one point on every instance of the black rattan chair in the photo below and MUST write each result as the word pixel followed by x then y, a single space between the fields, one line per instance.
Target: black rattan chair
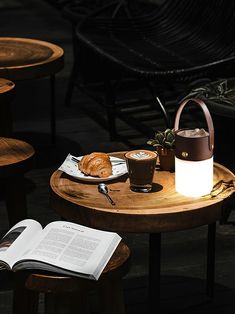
pixel 75 11
pixel 178 41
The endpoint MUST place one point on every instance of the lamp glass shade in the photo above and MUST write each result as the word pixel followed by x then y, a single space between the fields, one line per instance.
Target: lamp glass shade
pixel 193 178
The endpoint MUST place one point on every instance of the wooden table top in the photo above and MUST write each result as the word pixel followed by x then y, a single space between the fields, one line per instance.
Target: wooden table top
pixel 6 87
pixel 161 210
pixel 15 156
pixel 24 58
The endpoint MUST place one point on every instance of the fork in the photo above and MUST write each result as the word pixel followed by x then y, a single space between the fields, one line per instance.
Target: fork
pixel 75 159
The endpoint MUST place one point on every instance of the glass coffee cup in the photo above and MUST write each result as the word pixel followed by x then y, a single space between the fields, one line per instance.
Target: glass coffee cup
pixel 141 166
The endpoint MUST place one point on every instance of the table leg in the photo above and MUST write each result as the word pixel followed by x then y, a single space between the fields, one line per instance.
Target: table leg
pixel 110 296
pixel 211 260
pixel 6 119
pixel 24 301
pixel 154 271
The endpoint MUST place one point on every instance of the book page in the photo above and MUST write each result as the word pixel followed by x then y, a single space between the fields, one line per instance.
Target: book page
pixel 16 240
pixel 73 247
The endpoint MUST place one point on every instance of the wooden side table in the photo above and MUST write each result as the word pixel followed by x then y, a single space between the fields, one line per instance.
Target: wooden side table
pixel 25 58
pixel 162 210
pixel 71 293
pixel 15 160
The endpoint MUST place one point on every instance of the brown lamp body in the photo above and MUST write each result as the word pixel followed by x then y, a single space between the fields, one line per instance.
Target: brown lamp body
pixel 194 148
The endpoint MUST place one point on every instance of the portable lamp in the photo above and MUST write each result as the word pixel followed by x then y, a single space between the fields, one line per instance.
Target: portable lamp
pixel 194 155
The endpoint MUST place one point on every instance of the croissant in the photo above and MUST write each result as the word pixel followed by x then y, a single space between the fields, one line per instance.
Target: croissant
pixel 96 164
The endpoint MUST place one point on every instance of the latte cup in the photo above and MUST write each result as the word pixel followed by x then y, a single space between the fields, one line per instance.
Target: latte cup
pixel 141 166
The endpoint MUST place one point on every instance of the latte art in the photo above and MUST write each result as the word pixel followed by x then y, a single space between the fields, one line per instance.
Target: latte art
pixel 140 155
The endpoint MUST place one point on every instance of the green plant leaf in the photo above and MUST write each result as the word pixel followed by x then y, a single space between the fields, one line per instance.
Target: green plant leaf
pixel 164 139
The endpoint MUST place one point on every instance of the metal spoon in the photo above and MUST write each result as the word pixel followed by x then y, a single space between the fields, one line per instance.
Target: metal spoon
pixel 102 188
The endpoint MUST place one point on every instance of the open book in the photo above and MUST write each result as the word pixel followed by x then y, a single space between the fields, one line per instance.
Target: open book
pixel 61 247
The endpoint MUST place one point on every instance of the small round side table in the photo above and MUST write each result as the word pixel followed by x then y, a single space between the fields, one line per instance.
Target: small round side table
pixel 25 58
pixel 15 161
pixel 160 211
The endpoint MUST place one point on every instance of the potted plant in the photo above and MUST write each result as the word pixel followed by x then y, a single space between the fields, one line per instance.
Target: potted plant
pixel 164 142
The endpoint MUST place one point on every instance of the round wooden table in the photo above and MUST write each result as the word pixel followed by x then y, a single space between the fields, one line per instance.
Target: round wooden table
pixel 15 160
pixel 26 58
pixel 161 210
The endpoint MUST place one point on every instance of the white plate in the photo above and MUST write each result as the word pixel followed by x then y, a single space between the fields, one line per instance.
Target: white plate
pixel 70 167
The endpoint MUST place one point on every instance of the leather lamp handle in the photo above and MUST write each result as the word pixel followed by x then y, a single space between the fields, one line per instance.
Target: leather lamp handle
pixel 207 116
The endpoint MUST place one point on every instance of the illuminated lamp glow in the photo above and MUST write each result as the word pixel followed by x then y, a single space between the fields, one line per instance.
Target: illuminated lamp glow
pixel 193 178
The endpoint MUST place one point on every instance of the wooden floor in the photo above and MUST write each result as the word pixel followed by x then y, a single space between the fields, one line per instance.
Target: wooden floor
pixel 184 252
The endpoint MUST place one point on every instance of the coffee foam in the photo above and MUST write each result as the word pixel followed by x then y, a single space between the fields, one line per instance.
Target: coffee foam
pixel 141 154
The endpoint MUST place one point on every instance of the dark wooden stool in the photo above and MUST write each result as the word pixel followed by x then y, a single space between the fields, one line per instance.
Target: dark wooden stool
pixel 24 58
pixel 15 160
pixel 7 92
pixel 64 294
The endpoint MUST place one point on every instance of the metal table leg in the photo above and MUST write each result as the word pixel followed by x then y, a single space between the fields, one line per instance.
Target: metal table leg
pixel 211 260
pixel 154 271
